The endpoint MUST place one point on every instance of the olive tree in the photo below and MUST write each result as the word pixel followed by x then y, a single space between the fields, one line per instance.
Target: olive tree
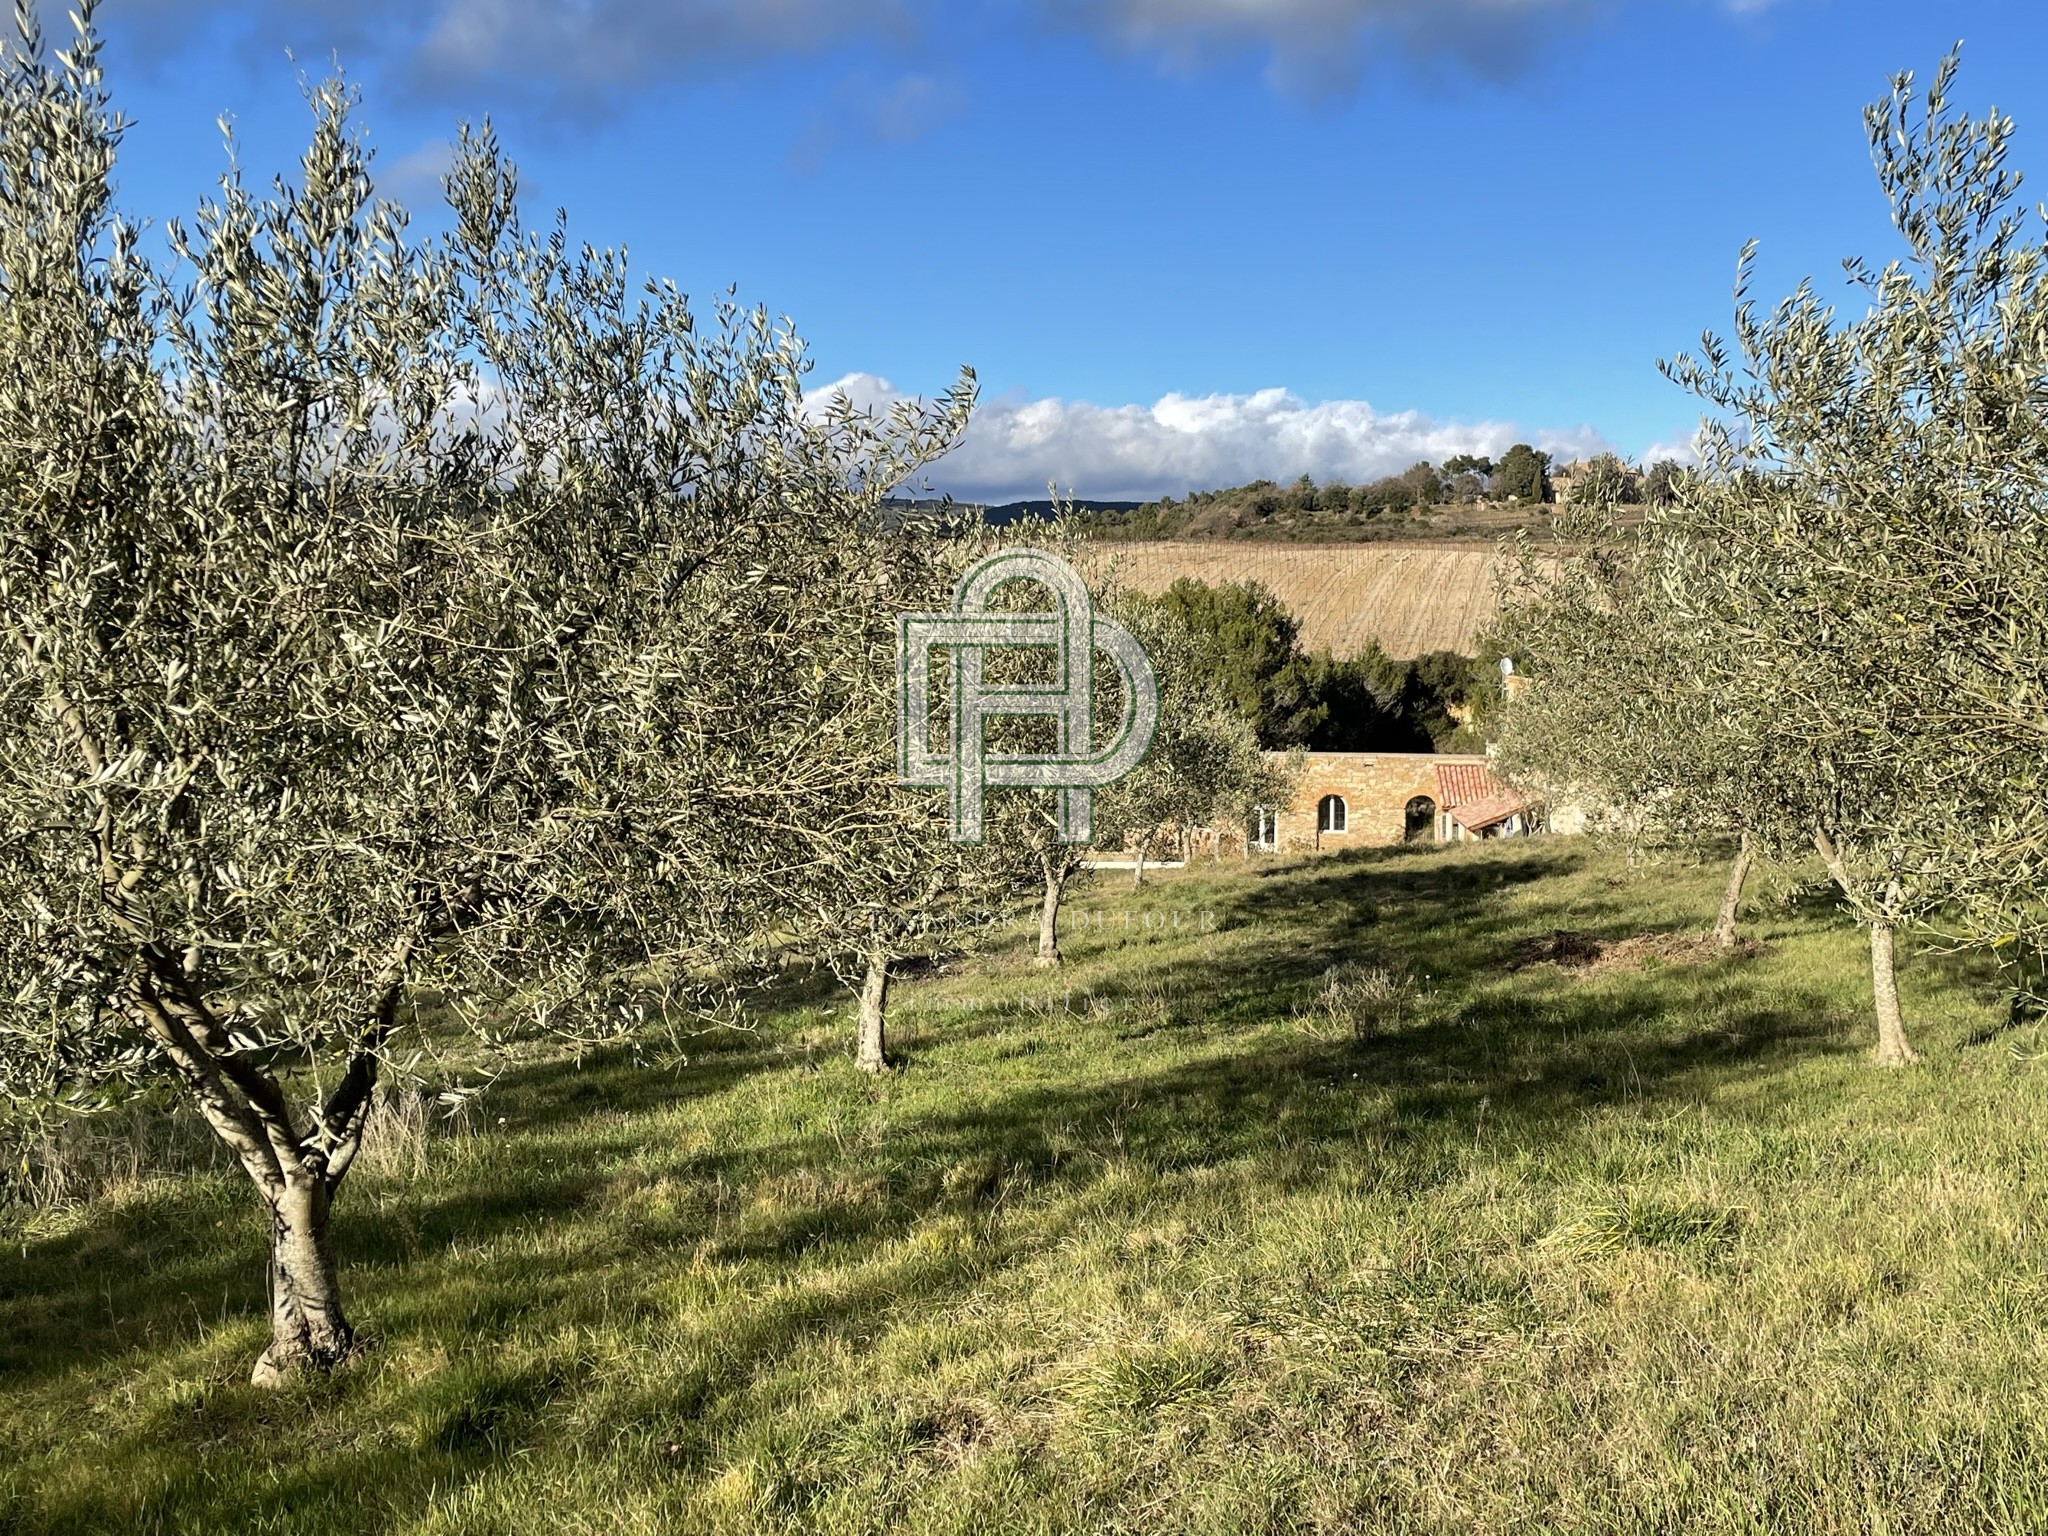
pixel 1607 481
pixel 385 618
pixel 915 893
pixel 1205 764
pixel 895 884
pixel 1030 824
pixel 1620 710
pixel 911 892
pixel 1865 542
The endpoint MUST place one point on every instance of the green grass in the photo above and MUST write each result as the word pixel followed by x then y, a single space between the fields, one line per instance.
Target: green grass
pixel 1167 1241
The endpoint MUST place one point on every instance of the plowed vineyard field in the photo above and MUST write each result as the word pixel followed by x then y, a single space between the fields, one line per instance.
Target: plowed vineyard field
pixel 1410 598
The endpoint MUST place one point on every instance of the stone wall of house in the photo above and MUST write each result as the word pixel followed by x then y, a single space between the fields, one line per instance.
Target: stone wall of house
pixel 1376 788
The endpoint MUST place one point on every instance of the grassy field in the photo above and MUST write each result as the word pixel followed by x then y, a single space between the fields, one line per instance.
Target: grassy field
pixel 1192 1236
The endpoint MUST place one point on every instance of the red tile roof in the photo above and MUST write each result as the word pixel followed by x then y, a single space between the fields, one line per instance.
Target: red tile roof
pixel 1459 783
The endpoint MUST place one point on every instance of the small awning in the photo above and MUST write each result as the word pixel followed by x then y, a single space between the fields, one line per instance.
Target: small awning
pixel 1478 815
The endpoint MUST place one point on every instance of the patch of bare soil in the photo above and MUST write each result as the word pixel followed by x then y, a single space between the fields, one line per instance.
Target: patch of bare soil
pixel 1583 954
pixel 953 1434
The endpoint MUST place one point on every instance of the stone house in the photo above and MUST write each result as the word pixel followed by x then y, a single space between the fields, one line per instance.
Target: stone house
pixel 1374 799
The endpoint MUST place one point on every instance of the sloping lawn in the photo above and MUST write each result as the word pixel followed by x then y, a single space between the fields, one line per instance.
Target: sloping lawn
pixel 1189 1236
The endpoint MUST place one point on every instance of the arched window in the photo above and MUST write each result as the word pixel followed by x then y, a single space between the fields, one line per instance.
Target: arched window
pixel 1330 814
pixel 1421 820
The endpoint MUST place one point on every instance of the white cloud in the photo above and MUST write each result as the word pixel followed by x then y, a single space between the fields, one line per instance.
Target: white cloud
pixel 897 111
pixel 414 179
pixel 1682 450
pixel 1195 442
pixel 574 57
pixel 1323 45
pixel 584 52
pixel 590 57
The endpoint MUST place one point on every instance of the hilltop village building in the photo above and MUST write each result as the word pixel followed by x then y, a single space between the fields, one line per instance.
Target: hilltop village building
pixel 1375 799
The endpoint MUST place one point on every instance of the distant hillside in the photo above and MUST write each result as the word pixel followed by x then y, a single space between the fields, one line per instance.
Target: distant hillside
pixel 1411 599
pixel 1245 513
pixel 1466 498
pixel 1018 511
pixel 1421 503
pixel 1009 512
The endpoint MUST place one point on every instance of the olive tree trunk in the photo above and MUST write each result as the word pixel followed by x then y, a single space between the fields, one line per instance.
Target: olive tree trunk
pixel 296 1167
pixel 1138 870
pixel 307 1325
pixel 872 1051
pixel 1893 1049
pixel 1049 911
pixel 1731 899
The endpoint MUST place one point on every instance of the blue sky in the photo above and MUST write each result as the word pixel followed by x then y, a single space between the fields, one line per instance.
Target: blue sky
pixel 1183 242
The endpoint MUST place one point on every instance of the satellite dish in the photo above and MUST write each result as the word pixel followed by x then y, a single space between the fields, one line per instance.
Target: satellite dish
pixel 1507 666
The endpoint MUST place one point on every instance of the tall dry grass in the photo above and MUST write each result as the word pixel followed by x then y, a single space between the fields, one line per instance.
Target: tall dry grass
pixel 72 1158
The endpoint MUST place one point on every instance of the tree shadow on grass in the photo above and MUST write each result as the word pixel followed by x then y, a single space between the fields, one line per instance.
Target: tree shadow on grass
pixel 151 1268
pixel 1443 919
pixel 165 1263
pixel 1019 1164
pixel 1452 921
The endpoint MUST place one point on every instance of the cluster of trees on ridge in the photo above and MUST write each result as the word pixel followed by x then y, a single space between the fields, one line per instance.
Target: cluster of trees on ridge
pixel 452 623
pixel 1249 646
pixel 1834 639
pixel 1391 507
pixel 1608 480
